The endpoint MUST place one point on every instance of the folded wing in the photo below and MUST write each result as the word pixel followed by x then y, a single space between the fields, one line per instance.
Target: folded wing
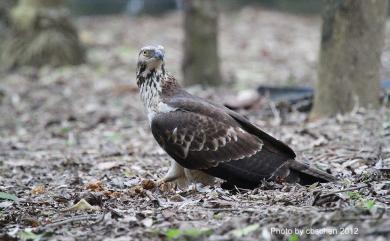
pixel 197 141
pixel 220 142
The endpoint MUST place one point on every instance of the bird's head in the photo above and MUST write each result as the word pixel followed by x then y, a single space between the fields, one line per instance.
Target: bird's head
pixel 150 61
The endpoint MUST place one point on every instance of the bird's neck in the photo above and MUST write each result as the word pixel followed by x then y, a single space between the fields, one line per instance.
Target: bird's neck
pixel 150 89
pixel 156 87
pixel 155 91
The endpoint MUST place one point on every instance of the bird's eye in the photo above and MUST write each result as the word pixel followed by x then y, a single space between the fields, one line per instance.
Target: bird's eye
pixel 146 53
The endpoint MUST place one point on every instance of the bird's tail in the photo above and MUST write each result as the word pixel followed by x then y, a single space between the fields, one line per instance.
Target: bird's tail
pixel 308 175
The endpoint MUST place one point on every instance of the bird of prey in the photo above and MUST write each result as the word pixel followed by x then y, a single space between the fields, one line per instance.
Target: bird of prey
pixel 208 140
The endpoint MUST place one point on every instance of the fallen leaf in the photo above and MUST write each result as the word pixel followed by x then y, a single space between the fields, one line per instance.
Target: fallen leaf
pixel 368 204
pixel 167 187
pixel 173 233
pixel 147 222
pixel 30 221
pixel 95 186
pixel 108 165
pixel 27 234
pixel 294 237
pixel 148 184
pixel 176 198
pixel 38 190
pixel 168 213
pixel 112 194
pixel 135 190
pixel 82 205
pixel 4 195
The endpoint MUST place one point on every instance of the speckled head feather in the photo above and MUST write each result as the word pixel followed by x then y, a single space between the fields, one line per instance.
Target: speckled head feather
pixel 150 61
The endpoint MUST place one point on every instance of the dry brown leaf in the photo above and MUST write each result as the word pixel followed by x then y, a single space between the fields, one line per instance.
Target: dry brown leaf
pixel 148 184
pixel 135 190
pixel 30 221
pixel 167 187
pixel 112 194
pixel 177 198
pixel 37 190
pixel 82 205
pixel 95 186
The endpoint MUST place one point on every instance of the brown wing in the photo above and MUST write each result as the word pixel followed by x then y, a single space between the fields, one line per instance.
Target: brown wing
pixel 202 135
pixel 193 104
pixel 197 141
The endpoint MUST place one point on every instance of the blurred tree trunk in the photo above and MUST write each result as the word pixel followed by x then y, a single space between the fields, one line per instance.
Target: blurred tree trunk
pixel 41 34
pixel 5 7
pixel 201 62
pixel 351 46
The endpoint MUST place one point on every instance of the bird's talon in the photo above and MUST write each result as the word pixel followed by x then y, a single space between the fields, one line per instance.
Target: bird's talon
pixel 160 182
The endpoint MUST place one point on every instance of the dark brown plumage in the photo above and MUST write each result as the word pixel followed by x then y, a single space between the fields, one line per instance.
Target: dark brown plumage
pixel 200 135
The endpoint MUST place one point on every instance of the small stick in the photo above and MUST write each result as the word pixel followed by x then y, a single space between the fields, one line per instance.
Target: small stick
pixel 153 199
pixel 343 190
pixel 249 210
pixel 148 173
pixel 71 220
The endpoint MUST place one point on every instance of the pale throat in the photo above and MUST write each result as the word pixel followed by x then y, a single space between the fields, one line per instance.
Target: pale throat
pixel 150 92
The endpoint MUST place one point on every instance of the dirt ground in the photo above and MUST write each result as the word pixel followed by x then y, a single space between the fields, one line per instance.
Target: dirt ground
pixel 79 134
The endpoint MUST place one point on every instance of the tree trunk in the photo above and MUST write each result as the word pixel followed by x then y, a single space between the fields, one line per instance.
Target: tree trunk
pixel 351 46
pixel 201 62
pixel 5 7
pixel 41 34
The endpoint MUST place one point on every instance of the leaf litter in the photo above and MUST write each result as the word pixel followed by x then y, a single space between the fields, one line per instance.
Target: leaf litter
pixel 78 162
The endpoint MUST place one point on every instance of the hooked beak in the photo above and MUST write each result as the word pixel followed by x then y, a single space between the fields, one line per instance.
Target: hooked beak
pixel 159 55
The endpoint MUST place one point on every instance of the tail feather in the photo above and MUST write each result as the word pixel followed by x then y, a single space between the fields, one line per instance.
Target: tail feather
pixel 308 175
pixel 249 172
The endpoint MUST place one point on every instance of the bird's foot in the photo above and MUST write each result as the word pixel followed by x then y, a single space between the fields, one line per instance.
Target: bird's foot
pixel 195 188
pixel 160 182
pixel 172 183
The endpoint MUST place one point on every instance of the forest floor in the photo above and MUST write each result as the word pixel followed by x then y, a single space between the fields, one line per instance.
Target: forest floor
pixel 80 133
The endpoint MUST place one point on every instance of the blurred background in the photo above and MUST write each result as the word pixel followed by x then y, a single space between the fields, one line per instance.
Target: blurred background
pixel 284 30
pixel 84 53
pixel 313 74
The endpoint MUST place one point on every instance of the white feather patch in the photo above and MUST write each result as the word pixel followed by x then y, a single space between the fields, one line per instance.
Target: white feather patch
pixel 161 108
pixel 164 108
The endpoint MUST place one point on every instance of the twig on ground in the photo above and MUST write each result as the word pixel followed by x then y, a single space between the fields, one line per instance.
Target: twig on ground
pixel 155 200
pixel 249 210
pixel 80 218
pixel 343 190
